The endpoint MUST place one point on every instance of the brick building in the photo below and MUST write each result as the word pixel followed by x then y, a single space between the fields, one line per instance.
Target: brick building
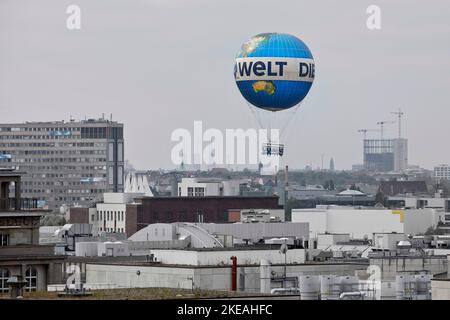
pixel 147 210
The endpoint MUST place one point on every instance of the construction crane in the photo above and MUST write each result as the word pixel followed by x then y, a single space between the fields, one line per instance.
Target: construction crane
pixel 364 131
pixel 381 124
pixel 400 114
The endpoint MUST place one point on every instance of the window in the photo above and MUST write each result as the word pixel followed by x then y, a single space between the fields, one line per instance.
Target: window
pixel 111 151
pixel 190 191
pixel 120 175
pixel 4 276
pixel 4 240
pixel 122 215
pixel 31 279
pixel 111 175
pixel 199 192
pixel 120 151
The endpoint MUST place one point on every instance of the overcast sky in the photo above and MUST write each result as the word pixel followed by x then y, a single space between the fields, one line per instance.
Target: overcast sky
pixel 158 65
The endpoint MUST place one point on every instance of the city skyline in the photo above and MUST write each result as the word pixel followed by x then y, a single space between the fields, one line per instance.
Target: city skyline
pixel 113 66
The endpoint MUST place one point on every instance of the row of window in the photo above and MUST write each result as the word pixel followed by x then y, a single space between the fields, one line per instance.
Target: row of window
pixel 34 168
pixel 42 137
pixel 71 191
pixel 51 144
pixel 57 183
pixel 28 160
pixel 122 230
pixel 30 278
pixel 34 129
pixel 61 152
pixel 108 216
pixel 196 192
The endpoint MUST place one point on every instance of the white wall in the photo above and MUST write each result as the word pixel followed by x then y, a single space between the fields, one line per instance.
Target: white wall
pixel 156 232
pixel 387 240
pixel 316 218
pixel 326 240
pixel 209 278
pixel 419 220
pixel 360 223
pixel 222 257
pixel 99 225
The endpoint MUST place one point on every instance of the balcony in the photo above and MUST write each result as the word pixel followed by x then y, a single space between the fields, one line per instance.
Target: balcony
pixel 10 204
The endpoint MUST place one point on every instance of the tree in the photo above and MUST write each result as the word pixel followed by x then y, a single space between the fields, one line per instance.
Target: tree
pixel 53 220
pixel 380 198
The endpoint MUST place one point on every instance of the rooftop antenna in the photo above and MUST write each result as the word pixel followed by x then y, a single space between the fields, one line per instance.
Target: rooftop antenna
pixel 400 114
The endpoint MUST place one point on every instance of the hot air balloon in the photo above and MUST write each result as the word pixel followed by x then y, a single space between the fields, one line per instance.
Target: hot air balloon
pixel 274 73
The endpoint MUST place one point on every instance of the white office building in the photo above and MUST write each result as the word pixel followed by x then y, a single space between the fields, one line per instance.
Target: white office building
pixel 363 223
pixel 442 171
pixel 203 187
pixel 110 215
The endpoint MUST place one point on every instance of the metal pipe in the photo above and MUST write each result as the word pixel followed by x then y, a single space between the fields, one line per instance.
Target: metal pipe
pixel 234 273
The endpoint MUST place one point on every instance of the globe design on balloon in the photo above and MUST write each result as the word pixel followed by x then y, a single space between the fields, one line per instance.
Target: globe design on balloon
pixel 274 71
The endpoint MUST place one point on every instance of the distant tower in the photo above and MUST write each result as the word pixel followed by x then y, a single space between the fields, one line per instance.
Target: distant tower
pixel 331 164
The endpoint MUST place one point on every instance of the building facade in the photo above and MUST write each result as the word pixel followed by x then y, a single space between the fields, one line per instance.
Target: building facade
pixel 385 155
pixel 148 210
pixel 21 255
pixel 67 163
pixel 200 187
pixel 361 222
pixel 442 171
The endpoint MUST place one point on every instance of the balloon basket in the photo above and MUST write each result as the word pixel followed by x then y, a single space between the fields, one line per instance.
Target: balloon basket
pixel 272 149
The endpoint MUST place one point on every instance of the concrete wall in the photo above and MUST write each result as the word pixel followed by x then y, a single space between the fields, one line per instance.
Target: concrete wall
pixel 222 257
pixel 440 289
pixel 419 220
pixel 387 240
pixel 21 236
pixel 317 220
pixel 391 266
pixel 210 278
pixel 361 223
pixel 326 240
pixel 257 231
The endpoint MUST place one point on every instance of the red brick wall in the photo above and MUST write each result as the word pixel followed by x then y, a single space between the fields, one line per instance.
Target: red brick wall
pixel 79 215
pixel 187 209
pixel 234 215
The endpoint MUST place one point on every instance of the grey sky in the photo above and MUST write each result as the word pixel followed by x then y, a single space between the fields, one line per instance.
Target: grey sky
pixel 158 65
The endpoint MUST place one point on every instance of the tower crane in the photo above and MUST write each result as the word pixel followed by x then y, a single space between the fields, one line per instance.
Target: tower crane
pixel 381 124
pixel 400 114
pixel 364 131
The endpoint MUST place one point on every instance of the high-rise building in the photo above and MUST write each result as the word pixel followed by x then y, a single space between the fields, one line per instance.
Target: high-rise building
pixel 386 154
pixel 400 146
pixel 442 171
pixel 66 163
pixel 378 155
